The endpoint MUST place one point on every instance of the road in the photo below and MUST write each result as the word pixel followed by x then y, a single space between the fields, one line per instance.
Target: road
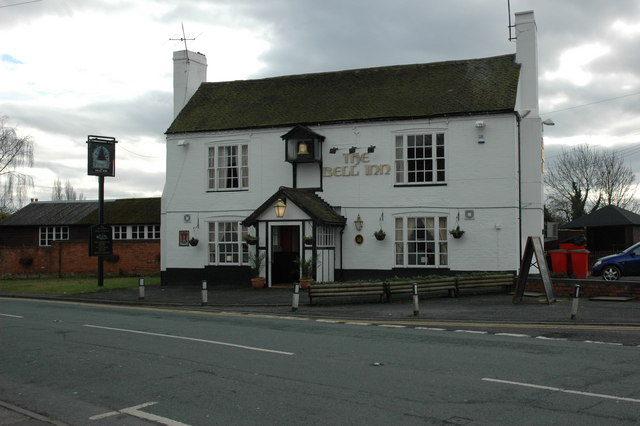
pixel 93 365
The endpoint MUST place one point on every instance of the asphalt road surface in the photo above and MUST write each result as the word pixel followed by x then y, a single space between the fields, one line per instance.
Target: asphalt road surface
pixel 91 365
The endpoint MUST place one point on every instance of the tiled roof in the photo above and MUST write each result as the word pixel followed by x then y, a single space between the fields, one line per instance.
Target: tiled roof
pixel 128 211
pixel 391 93
pixel 50 213
pixel 124 211
pixel 606 216
pixel 310 203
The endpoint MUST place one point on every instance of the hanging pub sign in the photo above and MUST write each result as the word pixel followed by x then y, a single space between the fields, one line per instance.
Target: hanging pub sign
pixel 101 156
pixel 101 243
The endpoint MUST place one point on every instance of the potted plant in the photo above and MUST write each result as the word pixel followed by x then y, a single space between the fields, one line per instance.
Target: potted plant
pixel 457 232
pixel 307 268
pixel 194 241
pixel 379 235
pixel 256 260
pixel 309 240
pixel 251 240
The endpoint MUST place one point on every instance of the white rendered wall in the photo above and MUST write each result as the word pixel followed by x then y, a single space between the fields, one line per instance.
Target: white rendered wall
pixel 480 176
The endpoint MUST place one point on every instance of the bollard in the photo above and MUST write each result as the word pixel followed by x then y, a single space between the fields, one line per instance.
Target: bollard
pixel 296 297
pixel 574 302
pixel 141 289
pixel 416 308
pixel 204 292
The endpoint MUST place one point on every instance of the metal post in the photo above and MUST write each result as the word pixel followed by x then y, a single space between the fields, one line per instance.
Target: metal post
pixel 574 302
pixel 296 297
pixel 141 289
pixel 101 221
pixel 416 307
pixel 204 292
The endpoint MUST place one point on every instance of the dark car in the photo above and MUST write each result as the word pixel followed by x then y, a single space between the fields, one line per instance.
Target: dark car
pixel 618 265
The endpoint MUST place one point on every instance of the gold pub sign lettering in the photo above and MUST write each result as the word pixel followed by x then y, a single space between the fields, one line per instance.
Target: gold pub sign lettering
pixel 352 167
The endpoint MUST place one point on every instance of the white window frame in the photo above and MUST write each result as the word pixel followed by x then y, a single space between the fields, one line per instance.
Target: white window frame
pixel 136 232
pixel 226 243
pixel 120 232
pixel 219 157
pixel 412 250
pixel 49 234
pixel 325 236
pixel 433 159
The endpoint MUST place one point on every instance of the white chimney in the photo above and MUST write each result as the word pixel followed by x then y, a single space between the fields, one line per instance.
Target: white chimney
pixel 527 56
pixel 189 70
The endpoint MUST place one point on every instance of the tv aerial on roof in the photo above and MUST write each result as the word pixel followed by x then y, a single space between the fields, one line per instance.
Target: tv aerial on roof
pixel 184 37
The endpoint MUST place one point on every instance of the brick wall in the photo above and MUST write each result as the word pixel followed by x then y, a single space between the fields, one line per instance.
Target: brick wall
pixel 588 288
pixel 66 258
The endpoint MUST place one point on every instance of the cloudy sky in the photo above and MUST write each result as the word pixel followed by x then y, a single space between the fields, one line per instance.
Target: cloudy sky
pixel 71 68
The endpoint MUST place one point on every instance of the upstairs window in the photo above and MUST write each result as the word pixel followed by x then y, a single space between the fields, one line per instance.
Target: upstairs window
pixel 228 167
pixel 420 159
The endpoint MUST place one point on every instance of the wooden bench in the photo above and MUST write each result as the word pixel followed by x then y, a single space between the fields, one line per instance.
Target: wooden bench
pixel 406 287
pixel 498 280
pixel 345 289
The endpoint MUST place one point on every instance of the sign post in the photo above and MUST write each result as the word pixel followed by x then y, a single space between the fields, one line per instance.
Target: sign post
pixel 101 162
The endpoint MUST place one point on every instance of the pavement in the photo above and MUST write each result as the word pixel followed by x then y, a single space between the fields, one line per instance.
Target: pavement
pixel 471 306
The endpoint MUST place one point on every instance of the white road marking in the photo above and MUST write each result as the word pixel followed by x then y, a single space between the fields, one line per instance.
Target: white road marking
pixel 575 392
pixel 214 342
pixel 550 338
pixel 431 329
pixel 135 411
pixel 358 323
pixel 392 326
pixel 603 343
pixel 10 316
pixel 470 331
pixel 512 335
pixel 328 321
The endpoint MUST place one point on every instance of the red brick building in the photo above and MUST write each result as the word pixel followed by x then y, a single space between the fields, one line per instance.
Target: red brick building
pixel 51 238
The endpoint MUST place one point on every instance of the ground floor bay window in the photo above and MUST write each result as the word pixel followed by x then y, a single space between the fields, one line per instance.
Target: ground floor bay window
pixel 226 244
pixel 421 241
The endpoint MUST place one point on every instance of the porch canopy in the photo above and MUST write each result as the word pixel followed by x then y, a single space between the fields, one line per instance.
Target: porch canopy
pixel 318 210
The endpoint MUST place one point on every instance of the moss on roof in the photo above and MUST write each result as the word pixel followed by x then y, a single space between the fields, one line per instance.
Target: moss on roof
pixel 394 92
pixel 128 211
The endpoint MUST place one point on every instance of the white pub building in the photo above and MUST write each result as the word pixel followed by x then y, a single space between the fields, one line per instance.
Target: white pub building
pixel 370 171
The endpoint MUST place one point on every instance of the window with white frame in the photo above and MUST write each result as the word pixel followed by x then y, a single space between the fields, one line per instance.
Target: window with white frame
pixel 325 236
pixel 421 241
pixel 420 159
pixel 226 243
pixel 136 232
pixel 228 167
pixel 48 234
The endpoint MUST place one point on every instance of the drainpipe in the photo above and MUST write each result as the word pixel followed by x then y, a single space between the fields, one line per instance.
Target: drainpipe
pixel 518 120
pixel 341 253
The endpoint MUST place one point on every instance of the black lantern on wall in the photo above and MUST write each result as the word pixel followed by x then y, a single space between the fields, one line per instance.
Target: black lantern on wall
pixel 303 145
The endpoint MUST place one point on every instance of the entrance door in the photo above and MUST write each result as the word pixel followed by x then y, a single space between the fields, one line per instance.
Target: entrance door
pixel 285 249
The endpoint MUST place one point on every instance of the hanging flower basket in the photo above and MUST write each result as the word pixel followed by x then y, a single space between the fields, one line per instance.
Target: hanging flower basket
pixel 194 241
pixel 309 240
pixel 457 232
pixel 251 240
pixel 380 235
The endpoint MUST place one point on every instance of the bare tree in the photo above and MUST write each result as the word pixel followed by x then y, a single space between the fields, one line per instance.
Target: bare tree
pixel 583 179
pixel 617 181
pixel 56 192
pixel 16 152
pixel 68 192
